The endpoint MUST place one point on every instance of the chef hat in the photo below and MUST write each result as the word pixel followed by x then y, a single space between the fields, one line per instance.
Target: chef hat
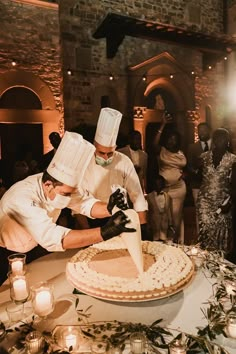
pixel 108 127
pixel 71 159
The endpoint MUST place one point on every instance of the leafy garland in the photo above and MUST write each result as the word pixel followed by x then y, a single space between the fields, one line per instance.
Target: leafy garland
pixel 117 333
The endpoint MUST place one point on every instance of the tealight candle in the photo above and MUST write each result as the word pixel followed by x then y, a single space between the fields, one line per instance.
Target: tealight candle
pixel 230 288
pixel 70 338
pixel 177 348
pixel 194 251
pixel 231 325
pixel 137 342
pixel 34 342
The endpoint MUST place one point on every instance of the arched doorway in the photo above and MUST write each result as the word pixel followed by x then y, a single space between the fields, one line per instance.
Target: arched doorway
pixel 27 116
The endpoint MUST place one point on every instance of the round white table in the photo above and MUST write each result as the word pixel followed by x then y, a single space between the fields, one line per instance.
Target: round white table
pixel 181 311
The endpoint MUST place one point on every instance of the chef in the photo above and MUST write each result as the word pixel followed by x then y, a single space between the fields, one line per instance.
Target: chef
pixel 109 168
pixel 30 208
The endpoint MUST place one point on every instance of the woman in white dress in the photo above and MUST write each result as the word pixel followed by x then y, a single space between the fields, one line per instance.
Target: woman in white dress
pixel 171 162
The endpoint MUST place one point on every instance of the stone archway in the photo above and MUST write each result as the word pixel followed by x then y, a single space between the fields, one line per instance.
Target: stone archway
pixel 48 115
pixel 165 74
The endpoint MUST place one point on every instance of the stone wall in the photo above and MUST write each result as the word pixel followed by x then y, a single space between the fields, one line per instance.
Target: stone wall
pixel 29 34
pixel 86 56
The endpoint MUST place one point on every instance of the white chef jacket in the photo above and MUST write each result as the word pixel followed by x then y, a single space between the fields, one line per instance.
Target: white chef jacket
pixel 25 204
pixel 99 179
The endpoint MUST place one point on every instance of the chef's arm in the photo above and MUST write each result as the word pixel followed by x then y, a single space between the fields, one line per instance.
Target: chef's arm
pixel 142 217
pixel 99 210
pixel 81 238
pixel 114 227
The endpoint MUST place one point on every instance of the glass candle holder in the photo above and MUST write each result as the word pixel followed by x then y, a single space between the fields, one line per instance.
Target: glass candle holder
pixel 231 325
pixel 16 263
pixel 137 342
pixel 34 342
pixel 19 287
pixel 67 337
pixel 177 347
pixel 42 299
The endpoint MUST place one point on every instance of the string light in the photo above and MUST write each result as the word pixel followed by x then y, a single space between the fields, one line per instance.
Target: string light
pixel 69 72
pixel 111 77
pixel 144 78
pixel 13 63
pixel 171 76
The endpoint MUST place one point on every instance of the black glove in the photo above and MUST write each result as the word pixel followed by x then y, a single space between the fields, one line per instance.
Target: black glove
pixel 115 226
pixel 117 198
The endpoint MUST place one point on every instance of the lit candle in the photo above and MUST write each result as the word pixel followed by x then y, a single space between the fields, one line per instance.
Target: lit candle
pixel 43 302
pixel 194 251
pixel 177 348
pixel 230 288
pixel 20 289
pixel 71 340
pixel 231 328
pixel 17 262
pixel 17 267
pixel 231 325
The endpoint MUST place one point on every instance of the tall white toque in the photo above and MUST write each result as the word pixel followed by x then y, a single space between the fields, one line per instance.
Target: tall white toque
pixel 108 127
pixel 71 159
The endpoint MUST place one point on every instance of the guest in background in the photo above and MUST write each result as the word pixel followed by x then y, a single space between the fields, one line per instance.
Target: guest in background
pixel 55 140
pixel 25 164
pixel 109 167
pixel 214 197
pixel 160 220
pixel 171 161
pixel 193 155
pixel 137 155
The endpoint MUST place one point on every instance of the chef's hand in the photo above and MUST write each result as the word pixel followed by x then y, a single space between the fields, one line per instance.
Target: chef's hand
pixel 115 226
pixel 117 199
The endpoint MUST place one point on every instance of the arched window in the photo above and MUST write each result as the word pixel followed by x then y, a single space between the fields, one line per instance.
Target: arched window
pixel 19 97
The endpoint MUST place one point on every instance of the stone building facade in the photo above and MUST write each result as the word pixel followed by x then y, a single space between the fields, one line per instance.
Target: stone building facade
pixel 65 72
pixel 193 98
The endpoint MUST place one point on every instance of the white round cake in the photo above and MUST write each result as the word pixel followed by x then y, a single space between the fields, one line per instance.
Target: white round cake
pixel 107 271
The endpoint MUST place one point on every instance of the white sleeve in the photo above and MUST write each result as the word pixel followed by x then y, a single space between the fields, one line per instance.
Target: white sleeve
pixel 82 203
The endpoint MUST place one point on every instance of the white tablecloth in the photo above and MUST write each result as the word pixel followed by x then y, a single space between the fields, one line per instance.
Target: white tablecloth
pixel 181 311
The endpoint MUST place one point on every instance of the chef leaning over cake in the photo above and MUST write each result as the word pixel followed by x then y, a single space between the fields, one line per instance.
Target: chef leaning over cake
pixel 30 208
pixel 112 168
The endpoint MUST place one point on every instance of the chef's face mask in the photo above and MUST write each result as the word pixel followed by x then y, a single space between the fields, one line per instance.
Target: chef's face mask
pixel 102 162
pixel 60 201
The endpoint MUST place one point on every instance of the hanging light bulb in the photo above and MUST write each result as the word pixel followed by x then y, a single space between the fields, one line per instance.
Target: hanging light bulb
pixel 225 58
pixel 171 76
pixel 13 63
pixel 209 67
pixel 144 78
pixel 111 77
pixel 192 72
pixel 69 72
